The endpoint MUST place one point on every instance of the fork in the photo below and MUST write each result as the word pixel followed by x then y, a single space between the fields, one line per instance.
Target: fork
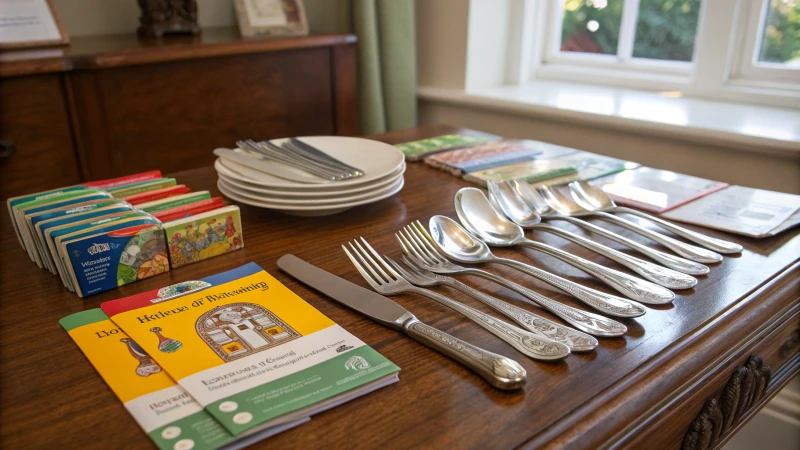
pixel 590 323
pixel 416 274
pixel 389 282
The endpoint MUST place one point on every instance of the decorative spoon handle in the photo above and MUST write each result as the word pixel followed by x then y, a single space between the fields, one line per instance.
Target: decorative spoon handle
pixel 673 262
pixel 536 347
pixel 718 245
pixel 686 250
pixel 576 341
pixel 657 274
pixel 594 324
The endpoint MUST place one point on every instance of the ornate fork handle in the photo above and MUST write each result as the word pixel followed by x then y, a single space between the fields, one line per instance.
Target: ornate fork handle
pixel 686 250
pixel 499 371
pixel 575 340
pixel 599 300
pixel 587 322
pixel 673 262
pixel 718 245
pixel 528 343
pixel 630 286
pixel 660 275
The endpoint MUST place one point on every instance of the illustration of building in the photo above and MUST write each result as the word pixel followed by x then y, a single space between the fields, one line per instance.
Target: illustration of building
pixel 240 329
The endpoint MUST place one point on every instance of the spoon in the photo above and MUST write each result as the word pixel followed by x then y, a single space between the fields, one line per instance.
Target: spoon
pixel 461 246
pixel 556 206
pixel 477 216
pixel 505 200
pixel 593 198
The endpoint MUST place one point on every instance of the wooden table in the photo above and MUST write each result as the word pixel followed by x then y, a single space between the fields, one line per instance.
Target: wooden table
pixel 644 390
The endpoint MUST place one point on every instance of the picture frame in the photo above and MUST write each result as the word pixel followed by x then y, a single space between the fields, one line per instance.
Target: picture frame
pixel 271 17
pixel 29 24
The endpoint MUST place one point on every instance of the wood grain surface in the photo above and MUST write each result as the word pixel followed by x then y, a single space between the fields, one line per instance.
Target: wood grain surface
pixel 638 391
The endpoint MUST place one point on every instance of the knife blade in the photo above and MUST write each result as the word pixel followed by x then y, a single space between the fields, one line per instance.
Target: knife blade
pixel 499 371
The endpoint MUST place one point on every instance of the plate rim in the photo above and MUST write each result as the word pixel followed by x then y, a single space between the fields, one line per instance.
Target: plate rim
pixel 326 201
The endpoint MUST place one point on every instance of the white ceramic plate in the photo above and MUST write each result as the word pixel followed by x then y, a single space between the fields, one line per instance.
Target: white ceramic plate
pixel 234 179
pixel 305 210
pixel 376 159
pixel 303 201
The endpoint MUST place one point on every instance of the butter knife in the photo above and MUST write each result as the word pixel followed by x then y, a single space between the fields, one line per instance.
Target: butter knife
pixel 499 371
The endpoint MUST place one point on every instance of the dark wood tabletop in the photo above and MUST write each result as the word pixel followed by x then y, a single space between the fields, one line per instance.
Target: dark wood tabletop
pixel 643 390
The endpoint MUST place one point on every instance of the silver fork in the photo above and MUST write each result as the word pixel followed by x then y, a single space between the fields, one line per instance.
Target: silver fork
pixel 390 282
pixel 594 324
pixel 416 274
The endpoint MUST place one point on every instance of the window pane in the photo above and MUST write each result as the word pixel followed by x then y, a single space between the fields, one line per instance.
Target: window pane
pixel 665 29
pixel 780 41
pixel 591 26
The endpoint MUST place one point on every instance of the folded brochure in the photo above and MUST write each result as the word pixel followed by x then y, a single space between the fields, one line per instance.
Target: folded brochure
pixel 170 416
pixel 251 352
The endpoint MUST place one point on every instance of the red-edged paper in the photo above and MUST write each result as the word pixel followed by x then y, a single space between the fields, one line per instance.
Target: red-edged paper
pixel 191 209
pixel 127 179
pixel 157 194
pixel 131 230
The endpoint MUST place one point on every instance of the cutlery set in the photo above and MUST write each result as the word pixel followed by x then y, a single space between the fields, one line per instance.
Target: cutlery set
pixel 430 256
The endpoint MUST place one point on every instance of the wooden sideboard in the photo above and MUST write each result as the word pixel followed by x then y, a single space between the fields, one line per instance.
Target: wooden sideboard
pixel 113 105
pixel 686 376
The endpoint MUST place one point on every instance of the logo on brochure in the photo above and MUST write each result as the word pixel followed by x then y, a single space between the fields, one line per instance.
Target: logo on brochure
pixel 356 363
pixel 343 348
pixel 98 248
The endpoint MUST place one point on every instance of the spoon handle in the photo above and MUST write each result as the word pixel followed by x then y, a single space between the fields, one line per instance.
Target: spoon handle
pixel 718 245
pixel 673 262
pixel 692 252
pixel 575 340
pixel 657 274
pixel 594 324
pixel 628 285
pixel 536 347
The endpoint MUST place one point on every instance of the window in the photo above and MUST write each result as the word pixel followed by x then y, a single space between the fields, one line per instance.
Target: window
pixel 747 50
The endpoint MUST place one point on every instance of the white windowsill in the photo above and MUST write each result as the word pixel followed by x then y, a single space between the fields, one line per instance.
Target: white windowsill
pixel 753 128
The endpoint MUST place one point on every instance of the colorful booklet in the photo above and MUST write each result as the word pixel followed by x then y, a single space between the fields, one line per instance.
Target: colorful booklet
pixel 157 194
pixel 416 150
pixel 170 416
pixel 252 352
pixel 655 190
pixel 143 186
pixel 174 202
pixel 486 156
pixel 127 179
pixel 204 235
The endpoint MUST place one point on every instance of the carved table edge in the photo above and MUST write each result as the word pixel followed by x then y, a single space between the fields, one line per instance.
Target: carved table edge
pixel 564 427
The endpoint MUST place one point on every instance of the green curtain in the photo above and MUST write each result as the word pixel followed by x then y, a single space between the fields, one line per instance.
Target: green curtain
pixel 387 71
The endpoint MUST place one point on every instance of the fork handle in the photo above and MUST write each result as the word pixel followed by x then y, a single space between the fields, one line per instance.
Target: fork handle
pixel 499 371
pixel 688 251
pixel 536 347
pixel 577 341
pixel 718 245
pixel 677 263
pixel 632 287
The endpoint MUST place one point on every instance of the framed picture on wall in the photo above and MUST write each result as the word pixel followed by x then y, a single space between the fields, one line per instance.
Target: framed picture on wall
pixel 271 17
pixel 30 23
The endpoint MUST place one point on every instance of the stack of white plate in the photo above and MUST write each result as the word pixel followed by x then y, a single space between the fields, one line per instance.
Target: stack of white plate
pixel 293 191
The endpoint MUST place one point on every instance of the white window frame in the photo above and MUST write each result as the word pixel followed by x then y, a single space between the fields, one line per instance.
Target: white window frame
pixel 720 70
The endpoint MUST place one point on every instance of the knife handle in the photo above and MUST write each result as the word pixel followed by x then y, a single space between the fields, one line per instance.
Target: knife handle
pixel 501 372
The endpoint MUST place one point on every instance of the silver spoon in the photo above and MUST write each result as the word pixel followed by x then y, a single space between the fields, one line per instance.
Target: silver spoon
pixel 681 248
pixel 477 216
pixel 506 201
pixel 557 207
pixel 461 246
pixel 592 197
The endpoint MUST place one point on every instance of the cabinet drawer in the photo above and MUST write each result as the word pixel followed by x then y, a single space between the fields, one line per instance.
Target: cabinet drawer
pixel 34 120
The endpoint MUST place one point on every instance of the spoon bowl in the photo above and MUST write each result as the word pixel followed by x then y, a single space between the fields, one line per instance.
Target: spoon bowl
pixel 456 242
pixel 561 203
pixel 478 216
pixel 503 197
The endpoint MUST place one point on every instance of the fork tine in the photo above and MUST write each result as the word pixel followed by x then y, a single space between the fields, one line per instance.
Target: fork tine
pixel 416 250
pixel 403 272
pixel 361 270
pixel 370 267
pixel 422 239
pixel 415 266
pixel 378 257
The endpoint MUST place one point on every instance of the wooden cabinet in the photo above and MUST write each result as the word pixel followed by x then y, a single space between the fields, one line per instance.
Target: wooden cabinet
pixel 141 105
pixel 38 151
